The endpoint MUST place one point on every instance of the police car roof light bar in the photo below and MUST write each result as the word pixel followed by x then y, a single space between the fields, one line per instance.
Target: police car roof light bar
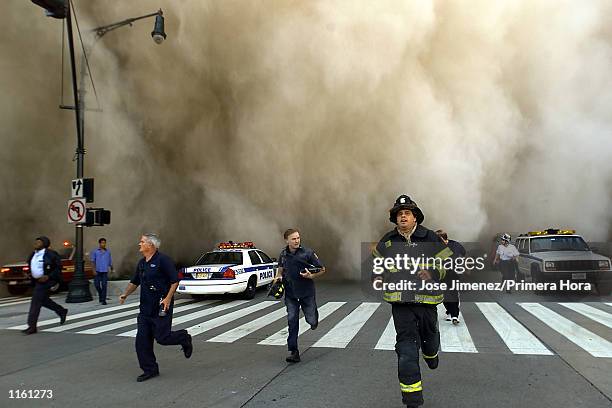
pixel 232 245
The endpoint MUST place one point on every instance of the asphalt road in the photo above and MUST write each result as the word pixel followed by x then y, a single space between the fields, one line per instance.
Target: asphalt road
pixel 510 350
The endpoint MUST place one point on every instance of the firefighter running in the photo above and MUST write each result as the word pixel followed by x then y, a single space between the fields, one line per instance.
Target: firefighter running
pixel 414 311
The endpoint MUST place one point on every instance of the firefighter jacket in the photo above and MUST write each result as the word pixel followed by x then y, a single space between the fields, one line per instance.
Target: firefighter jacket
pixel 424 251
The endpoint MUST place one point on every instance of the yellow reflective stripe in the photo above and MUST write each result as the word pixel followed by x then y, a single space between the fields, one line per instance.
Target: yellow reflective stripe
pixel 429 299
pixel 445 253
pixel 392 296
pixel 429 357
pixel 417 386
pixel 388 244
pixel 442 273
pixel 376 254
pixel 392 270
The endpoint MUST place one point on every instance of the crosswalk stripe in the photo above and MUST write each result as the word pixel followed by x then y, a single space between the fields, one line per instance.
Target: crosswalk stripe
pixel 193 316
pixel 280 337
pixel 583 338
pixel 22 301
pixel 248 328
pixel 132 321
pixel 342 333
pixel 79 315
pixel 592 313
pixel 65 327
pixel 14 303
pixel 454 338
pixel 387 339
pixel 11 299
pixel 224 319
pixel 518 339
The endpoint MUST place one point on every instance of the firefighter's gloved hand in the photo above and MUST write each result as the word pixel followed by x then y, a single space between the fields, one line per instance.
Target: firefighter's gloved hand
pixel 424 275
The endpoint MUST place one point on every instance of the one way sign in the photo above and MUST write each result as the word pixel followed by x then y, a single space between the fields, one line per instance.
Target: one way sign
pixel 82 188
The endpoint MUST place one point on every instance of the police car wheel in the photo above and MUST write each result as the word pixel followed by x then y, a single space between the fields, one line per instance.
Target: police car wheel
pixel 249 292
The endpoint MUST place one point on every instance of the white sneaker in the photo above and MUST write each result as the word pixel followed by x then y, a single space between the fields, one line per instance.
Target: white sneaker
pixel 455 321
pixel 448 318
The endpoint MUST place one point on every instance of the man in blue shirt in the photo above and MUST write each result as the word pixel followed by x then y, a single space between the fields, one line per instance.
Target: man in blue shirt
pixel 294 264
pixel 158 279
pixel 103 263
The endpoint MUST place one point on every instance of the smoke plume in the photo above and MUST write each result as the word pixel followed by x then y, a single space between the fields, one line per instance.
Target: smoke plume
pixel 253 117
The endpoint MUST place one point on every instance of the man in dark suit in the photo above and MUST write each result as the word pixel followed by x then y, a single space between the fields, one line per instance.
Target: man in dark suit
pixel 46 268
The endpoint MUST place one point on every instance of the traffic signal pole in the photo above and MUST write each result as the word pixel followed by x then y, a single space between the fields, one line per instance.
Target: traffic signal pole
pixel 79 286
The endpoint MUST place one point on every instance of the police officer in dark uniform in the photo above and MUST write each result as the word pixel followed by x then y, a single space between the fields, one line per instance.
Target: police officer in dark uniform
pixel 297 267
pixel 414 310
pixel 158 279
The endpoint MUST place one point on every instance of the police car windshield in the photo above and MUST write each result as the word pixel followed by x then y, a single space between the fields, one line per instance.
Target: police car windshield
pixel 213 258
pixel 547 244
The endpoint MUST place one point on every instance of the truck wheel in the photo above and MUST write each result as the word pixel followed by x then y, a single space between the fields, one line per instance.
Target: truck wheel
pixel 249 292
pixel 604 287
pixel 536 277
pixel 17 290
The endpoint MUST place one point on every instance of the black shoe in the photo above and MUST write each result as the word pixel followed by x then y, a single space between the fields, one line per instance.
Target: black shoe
pixel 145 376
pixel 293 357
pixel 432 362
pixel 314 326
pixel 103 302
pixel 63 315
pixel 188 347
pixel 29 330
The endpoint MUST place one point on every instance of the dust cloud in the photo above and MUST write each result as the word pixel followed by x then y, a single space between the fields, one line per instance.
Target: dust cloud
pixel 257 116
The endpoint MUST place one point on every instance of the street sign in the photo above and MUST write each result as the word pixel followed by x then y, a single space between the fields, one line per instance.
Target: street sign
pixel 77 188
pixel 76 211
pixel 82 188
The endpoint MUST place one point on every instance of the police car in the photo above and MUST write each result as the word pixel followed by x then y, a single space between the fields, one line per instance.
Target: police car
pixel 231 268
pixel 554 255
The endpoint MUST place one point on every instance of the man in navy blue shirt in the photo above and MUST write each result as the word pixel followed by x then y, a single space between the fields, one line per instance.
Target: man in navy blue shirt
pixel 294 269
pixel 103 263
pixel 158 279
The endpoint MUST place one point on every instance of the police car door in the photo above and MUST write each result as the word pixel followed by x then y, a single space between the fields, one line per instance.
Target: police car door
pixel 269 269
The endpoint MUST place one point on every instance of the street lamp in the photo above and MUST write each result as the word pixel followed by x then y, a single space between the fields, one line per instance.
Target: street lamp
pixel 79 286
pixel 158 33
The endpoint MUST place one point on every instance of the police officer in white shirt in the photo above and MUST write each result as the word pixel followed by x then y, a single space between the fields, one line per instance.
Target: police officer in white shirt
pixel 507 257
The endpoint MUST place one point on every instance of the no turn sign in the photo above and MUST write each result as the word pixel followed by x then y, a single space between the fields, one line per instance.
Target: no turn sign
pixel 76 211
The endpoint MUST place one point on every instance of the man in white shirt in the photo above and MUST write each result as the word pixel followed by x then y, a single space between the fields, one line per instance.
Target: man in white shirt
pixel 46 268
pixel 507 257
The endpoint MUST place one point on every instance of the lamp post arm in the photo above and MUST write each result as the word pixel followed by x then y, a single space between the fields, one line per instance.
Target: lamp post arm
pixel 102 30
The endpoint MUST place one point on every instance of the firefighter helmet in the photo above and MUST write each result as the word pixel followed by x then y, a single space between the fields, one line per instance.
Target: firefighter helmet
pixel 404 202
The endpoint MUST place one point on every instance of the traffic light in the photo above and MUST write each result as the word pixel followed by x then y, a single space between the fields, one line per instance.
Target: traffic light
pixel 97 217
pixel 53 8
